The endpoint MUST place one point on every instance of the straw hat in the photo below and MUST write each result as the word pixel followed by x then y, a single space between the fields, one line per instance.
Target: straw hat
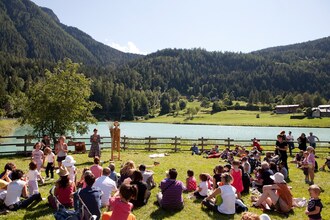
pixel 62 171
pixel 69 161
pixel 278 178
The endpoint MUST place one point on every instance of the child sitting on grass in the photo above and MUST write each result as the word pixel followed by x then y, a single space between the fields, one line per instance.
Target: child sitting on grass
pixel 327 163
pixel 119 204
pixel 191 183
pixel 201 191
pixel 314 207
pixel 113 174
pixel 96 169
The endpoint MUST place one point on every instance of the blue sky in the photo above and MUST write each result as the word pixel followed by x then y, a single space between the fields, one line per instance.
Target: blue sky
pixel 145 26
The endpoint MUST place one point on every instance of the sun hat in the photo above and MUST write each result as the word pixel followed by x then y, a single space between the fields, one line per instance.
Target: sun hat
pixel 264 217
pixel 69 161
pixel 278 178
pixel 62 171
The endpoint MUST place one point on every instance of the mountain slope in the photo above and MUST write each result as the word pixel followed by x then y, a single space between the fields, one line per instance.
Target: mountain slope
pixel 311 50
pixel 34 32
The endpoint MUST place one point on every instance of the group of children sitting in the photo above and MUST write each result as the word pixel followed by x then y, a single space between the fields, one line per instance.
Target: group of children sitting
pixel 135 183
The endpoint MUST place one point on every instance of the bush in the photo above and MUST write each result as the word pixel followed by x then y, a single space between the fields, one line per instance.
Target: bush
pixel 266 108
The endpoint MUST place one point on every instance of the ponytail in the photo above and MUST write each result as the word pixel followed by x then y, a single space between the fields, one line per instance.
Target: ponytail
pixel 128 191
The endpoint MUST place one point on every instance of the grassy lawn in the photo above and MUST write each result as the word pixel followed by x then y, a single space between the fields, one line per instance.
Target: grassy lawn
pixel 181 161
pixel 242 117
pixel 7 126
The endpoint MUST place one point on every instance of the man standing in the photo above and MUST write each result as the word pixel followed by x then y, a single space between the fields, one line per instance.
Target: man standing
pixel 289 140
pixel 311 139
pixel 107 186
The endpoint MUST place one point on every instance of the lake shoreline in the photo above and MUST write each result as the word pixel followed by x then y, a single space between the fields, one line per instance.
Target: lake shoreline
pixel 245 125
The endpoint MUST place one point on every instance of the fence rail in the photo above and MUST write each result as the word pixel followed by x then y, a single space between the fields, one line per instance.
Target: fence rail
pixel 24 144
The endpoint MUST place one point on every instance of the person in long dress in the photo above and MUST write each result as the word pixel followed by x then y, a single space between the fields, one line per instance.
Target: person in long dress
pixel 95 140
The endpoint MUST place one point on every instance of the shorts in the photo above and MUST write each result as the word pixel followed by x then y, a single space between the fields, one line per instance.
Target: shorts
pixel 60 159
pixel 305 171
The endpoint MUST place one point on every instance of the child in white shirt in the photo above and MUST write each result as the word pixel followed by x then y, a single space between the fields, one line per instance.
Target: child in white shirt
pixel 33 175
pixel 50 157
pixel 201 191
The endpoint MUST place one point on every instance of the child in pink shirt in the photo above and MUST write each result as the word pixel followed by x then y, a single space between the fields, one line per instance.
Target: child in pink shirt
pixel 191 183
pixel 119 205
pixel 311 163
pixel 96 169
pixel 38 155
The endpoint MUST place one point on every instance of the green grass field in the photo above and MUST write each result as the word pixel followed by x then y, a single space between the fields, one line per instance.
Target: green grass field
pixel 181 161
pixel 241 118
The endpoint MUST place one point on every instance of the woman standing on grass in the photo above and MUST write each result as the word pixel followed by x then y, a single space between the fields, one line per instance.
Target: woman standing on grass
pixel 95 140
pixel 61 150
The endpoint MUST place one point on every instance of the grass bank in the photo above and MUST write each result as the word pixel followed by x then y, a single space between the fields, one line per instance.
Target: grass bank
pixel 242 118
pixel 7 126
pixel 192 208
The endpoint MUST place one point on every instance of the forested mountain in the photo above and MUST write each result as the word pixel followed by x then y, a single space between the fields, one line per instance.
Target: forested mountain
pixel 33 32
pixel 307 51
pixel 32 39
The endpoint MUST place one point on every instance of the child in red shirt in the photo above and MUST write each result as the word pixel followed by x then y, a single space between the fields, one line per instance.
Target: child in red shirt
pixel 191 183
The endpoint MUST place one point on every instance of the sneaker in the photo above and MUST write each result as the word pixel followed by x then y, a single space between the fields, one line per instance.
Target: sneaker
pixel 311 183
pixel 306 181
pixel 321 169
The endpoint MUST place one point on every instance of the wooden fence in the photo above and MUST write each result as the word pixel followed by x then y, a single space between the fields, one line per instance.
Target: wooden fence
pixel 24 144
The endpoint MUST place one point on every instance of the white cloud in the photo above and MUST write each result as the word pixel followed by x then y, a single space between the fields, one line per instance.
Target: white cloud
pixel 130 47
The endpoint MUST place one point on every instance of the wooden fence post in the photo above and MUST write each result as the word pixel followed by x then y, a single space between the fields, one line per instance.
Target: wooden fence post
pixel 228 142
pixel 149 143
pixel 25 143
pixel 124 144
pixel 202 139
pixel 175 144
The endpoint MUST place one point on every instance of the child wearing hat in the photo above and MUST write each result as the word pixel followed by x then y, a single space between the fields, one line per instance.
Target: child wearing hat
pixel 69 164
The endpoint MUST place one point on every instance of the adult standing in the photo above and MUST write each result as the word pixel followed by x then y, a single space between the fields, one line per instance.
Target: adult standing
pixel 45 142
pixel 171 195
pixel 282 147
pixel 302 141
pixel 61 150
pixel 107 186
pixel 311 139
pixel 290 140
pixel 95 140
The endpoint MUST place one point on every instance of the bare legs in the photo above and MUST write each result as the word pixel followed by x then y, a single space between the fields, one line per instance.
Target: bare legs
pixel 268 196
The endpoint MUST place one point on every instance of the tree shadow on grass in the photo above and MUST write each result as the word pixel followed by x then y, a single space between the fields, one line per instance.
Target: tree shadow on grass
pixel 85 163
pixel 38 211
pixel 214 215
pixel 161 213
pixel 279 214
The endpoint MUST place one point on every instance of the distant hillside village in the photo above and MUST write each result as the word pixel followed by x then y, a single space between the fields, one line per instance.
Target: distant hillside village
pixel 317 112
